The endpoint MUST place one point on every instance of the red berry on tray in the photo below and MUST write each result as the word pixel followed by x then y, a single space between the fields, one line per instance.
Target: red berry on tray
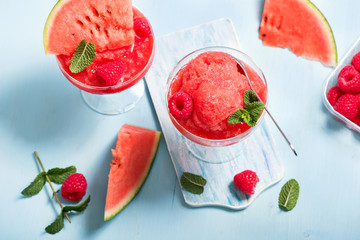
pixel 358 98
pixel 74 187
pixel 356 61
pixel 333 95
pixel 110 73
pixel 349 79
pixel 246 181
pixel 181 105
pixel 356 120
pixel 347 105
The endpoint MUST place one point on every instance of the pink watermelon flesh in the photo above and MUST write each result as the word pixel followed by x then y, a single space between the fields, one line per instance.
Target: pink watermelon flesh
pixel 135 151
pixel 106 23
pixel 300 26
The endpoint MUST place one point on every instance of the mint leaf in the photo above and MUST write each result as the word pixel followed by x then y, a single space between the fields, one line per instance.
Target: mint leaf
pixel 83 56
pixel 255 109
pixel 57 225
pixel 249 97
pixel 289 195
pixel 78 208
pixel 35 186
pixel 54 193
pixel 252 111
pixel 240 115
pixel 192 183
pixel 58 175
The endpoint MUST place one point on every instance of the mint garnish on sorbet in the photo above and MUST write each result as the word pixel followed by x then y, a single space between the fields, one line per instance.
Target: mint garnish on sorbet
pixel 289 195
pixel 192 183
pixel 251 112
pixel 83 56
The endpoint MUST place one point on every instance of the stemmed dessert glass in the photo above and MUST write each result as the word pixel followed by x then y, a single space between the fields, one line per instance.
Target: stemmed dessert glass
pixel 214 150
pixel 117 99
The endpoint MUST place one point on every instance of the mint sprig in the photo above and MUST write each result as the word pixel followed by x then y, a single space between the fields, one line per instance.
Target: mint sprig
pixel 79 207
pixel 251 112
pixel 289 195
pixel 83 56
pixel 192 183
pixel 58 223
pixel 35 186
pixel 55 175
pixel 240 115
pixel 58 175
pixel 249 97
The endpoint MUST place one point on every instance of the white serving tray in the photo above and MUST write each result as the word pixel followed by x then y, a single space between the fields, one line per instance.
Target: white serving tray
pixel 258 152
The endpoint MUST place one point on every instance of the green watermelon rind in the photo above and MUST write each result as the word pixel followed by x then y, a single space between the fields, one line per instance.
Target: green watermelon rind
pixel 331 32
pixel 331 53
pixel 49 21
pixel 110 214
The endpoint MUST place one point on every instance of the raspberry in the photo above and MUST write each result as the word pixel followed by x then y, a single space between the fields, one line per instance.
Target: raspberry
pixel 142 28
pixel 246 181
pixel 74 187
pixel 333 95
pixel 181 105
pixel 356 61
pixel 110 73
pixel 358 98
pixel 347 105
pixel 356 120
pixel 349 79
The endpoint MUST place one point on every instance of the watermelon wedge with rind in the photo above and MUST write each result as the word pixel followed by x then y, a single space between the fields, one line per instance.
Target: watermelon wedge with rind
pixel 106 23
pixel 134 154
pixel 300 26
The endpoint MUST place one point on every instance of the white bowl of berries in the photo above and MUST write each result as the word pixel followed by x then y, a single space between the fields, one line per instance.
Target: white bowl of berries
pixel 342 89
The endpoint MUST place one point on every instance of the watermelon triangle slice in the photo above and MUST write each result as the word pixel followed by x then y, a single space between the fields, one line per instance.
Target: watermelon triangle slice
pixel 299 26
pixel 106 23
pixel 134 154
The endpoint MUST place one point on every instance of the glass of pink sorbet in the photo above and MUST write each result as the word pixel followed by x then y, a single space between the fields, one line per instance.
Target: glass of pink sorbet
pixel 216 84
pixel 123 96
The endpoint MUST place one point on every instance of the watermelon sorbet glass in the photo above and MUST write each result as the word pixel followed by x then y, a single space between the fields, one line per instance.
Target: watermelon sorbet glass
pixel 136 60
pixel 216 84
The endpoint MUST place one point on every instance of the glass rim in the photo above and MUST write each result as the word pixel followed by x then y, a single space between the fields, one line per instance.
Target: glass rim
pixel 199 139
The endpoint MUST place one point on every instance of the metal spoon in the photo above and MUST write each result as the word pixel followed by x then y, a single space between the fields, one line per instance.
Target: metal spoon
pixel 278 127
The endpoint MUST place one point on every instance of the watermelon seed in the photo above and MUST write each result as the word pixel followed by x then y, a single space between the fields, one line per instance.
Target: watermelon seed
pixel 106 32
pixel 80 23
pixel 103 16
pixel 96 13
pixel 88 18
pixel 98 27
pixel 278 22
pixel 108 11
pixel 265 19
pixel 91 31
pixel 264 35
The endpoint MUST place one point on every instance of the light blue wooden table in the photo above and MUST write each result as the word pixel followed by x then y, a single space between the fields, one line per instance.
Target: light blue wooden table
pixel 40 110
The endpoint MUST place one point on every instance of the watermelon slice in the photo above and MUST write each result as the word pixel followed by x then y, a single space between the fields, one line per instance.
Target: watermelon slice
pixel 300 26
pixel 106 23
pixel 134 154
